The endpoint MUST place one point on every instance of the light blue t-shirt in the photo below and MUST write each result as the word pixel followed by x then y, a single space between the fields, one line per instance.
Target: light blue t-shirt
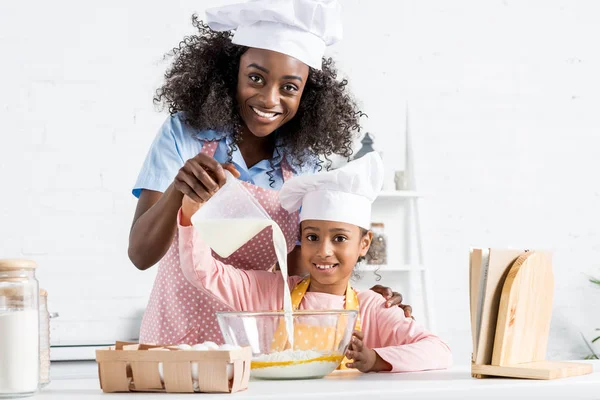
pixel 177 142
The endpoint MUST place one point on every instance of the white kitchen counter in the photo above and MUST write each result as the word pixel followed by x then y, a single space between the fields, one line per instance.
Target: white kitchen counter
pixel 78 380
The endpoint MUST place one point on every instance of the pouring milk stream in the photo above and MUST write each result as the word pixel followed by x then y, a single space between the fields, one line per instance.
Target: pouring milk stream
pixel 230 219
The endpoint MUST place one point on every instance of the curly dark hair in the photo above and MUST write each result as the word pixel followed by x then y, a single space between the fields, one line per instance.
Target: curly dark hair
pixel 202 82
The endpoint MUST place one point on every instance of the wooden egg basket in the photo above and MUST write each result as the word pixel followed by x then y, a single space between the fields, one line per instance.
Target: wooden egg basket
pixel 522 286
pixel 131 367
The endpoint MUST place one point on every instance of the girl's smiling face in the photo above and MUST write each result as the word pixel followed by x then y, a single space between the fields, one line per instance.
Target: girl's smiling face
pixel 330 251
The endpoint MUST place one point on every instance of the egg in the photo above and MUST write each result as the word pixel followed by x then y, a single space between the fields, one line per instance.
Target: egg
pixel 230 371
pixel 160 366
pixel 184 346
pixel 195 372
pixel 211 345
pixel 197 347
pixel 226 347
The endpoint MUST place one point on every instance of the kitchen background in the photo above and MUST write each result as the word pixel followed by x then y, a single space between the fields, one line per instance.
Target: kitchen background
pixel 503 99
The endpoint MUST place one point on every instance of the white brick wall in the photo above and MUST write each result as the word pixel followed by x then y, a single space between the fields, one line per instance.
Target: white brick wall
pixel 503 98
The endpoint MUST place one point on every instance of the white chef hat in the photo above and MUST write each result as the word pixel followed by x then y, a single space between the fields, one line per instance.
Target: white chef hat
pixel 342 195
pixel 299 28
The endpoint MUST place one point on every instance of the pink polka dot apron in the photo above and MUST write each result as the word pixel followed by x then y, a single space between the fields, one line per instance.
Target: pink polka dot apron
pixel 179 312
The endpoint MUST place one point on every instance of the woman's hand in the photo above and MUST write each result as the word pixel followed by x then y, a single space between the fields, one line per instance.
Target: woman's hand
pixel 393 299
pixel 363 358
pixel 201 177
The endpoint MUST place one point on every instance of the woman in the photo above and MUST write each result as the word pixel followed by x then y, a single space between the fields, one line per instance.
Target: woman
pixel 261 102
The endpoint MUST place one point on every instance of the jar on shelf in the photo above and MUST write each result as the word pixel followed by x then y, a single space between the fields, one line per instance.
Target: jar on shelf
pixel 377 253
pixel 19 328
pixel 400 180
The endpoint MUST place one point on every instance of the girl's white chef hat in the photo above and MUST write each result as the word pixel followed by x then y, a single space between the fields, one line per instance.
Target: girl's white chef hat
pixel 343 195
pixel 299 28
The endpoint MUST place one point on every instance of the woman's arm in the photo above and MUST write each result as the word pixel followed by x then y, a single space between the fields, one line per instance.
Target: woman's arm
pixel 153 227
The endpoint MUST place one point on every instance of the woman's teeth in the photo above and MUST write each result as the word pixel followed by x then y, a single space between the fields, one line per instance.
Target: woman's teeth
pixel 329 266
pixel 264 114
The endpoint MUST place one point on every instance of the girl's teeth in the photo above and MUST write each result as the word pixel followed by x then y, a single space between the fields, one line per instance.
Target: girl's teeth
pixel 325 266
pixel 263 114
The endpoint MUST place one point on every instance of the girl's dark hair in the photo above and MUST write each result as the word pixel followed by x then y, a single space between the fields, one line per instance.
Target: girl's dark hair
pixel 356 275
pixel 202 82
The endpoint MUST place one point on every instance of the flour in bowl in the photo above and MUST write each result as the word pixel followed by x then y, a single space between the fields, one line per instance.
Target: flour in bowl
pixel 295 364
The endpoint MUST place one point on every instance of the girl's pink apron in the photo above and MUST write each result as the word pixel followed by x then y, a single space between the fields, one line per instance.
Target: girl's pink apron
pixel 178 312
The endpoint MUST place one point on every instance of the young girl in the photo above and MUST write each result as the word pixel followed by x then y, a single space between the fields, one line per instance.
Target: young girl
pixel 336 209
pixel 261 100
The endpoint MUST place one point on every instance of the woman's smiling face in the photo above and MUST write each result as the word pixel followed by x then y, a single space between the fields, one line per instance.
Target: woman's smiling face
pixel 330 250
pixel 269 89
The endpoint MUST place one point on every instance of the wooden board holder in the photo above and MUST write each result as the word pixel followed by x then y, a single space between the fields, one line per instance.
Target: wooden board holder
pixel 523 324
pixel 132 367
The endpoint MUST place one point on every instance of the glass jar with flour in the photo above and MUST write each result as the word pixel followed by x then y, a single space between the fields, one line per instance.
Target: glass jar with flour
pixel 19 329
pixel 377 254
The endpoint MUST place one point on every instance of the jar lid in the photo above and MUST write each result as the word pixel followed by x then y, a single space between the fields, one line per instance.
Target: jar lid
pixel 8 264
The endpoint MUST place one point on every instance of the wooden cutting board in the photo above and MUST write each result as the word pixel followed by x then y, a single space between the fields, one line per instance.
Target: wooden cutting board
pixel 523 324
pixel 525 311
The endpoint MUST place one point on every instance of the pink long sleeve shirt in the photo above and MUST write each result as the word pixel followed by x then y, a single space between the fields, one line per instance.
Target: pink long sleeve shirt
pixel 401 341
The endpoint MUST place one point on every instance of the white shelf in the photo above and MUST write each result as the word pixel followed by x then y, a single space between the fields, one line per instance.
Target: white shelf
pixel 390 268
pixel 398 194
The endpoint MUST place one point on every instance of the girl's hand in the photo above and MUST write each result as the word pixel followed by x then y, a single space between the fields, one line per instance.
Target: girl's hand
pixel 188 208
pixel 201 177
pixel 393 299
pixel 363 358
